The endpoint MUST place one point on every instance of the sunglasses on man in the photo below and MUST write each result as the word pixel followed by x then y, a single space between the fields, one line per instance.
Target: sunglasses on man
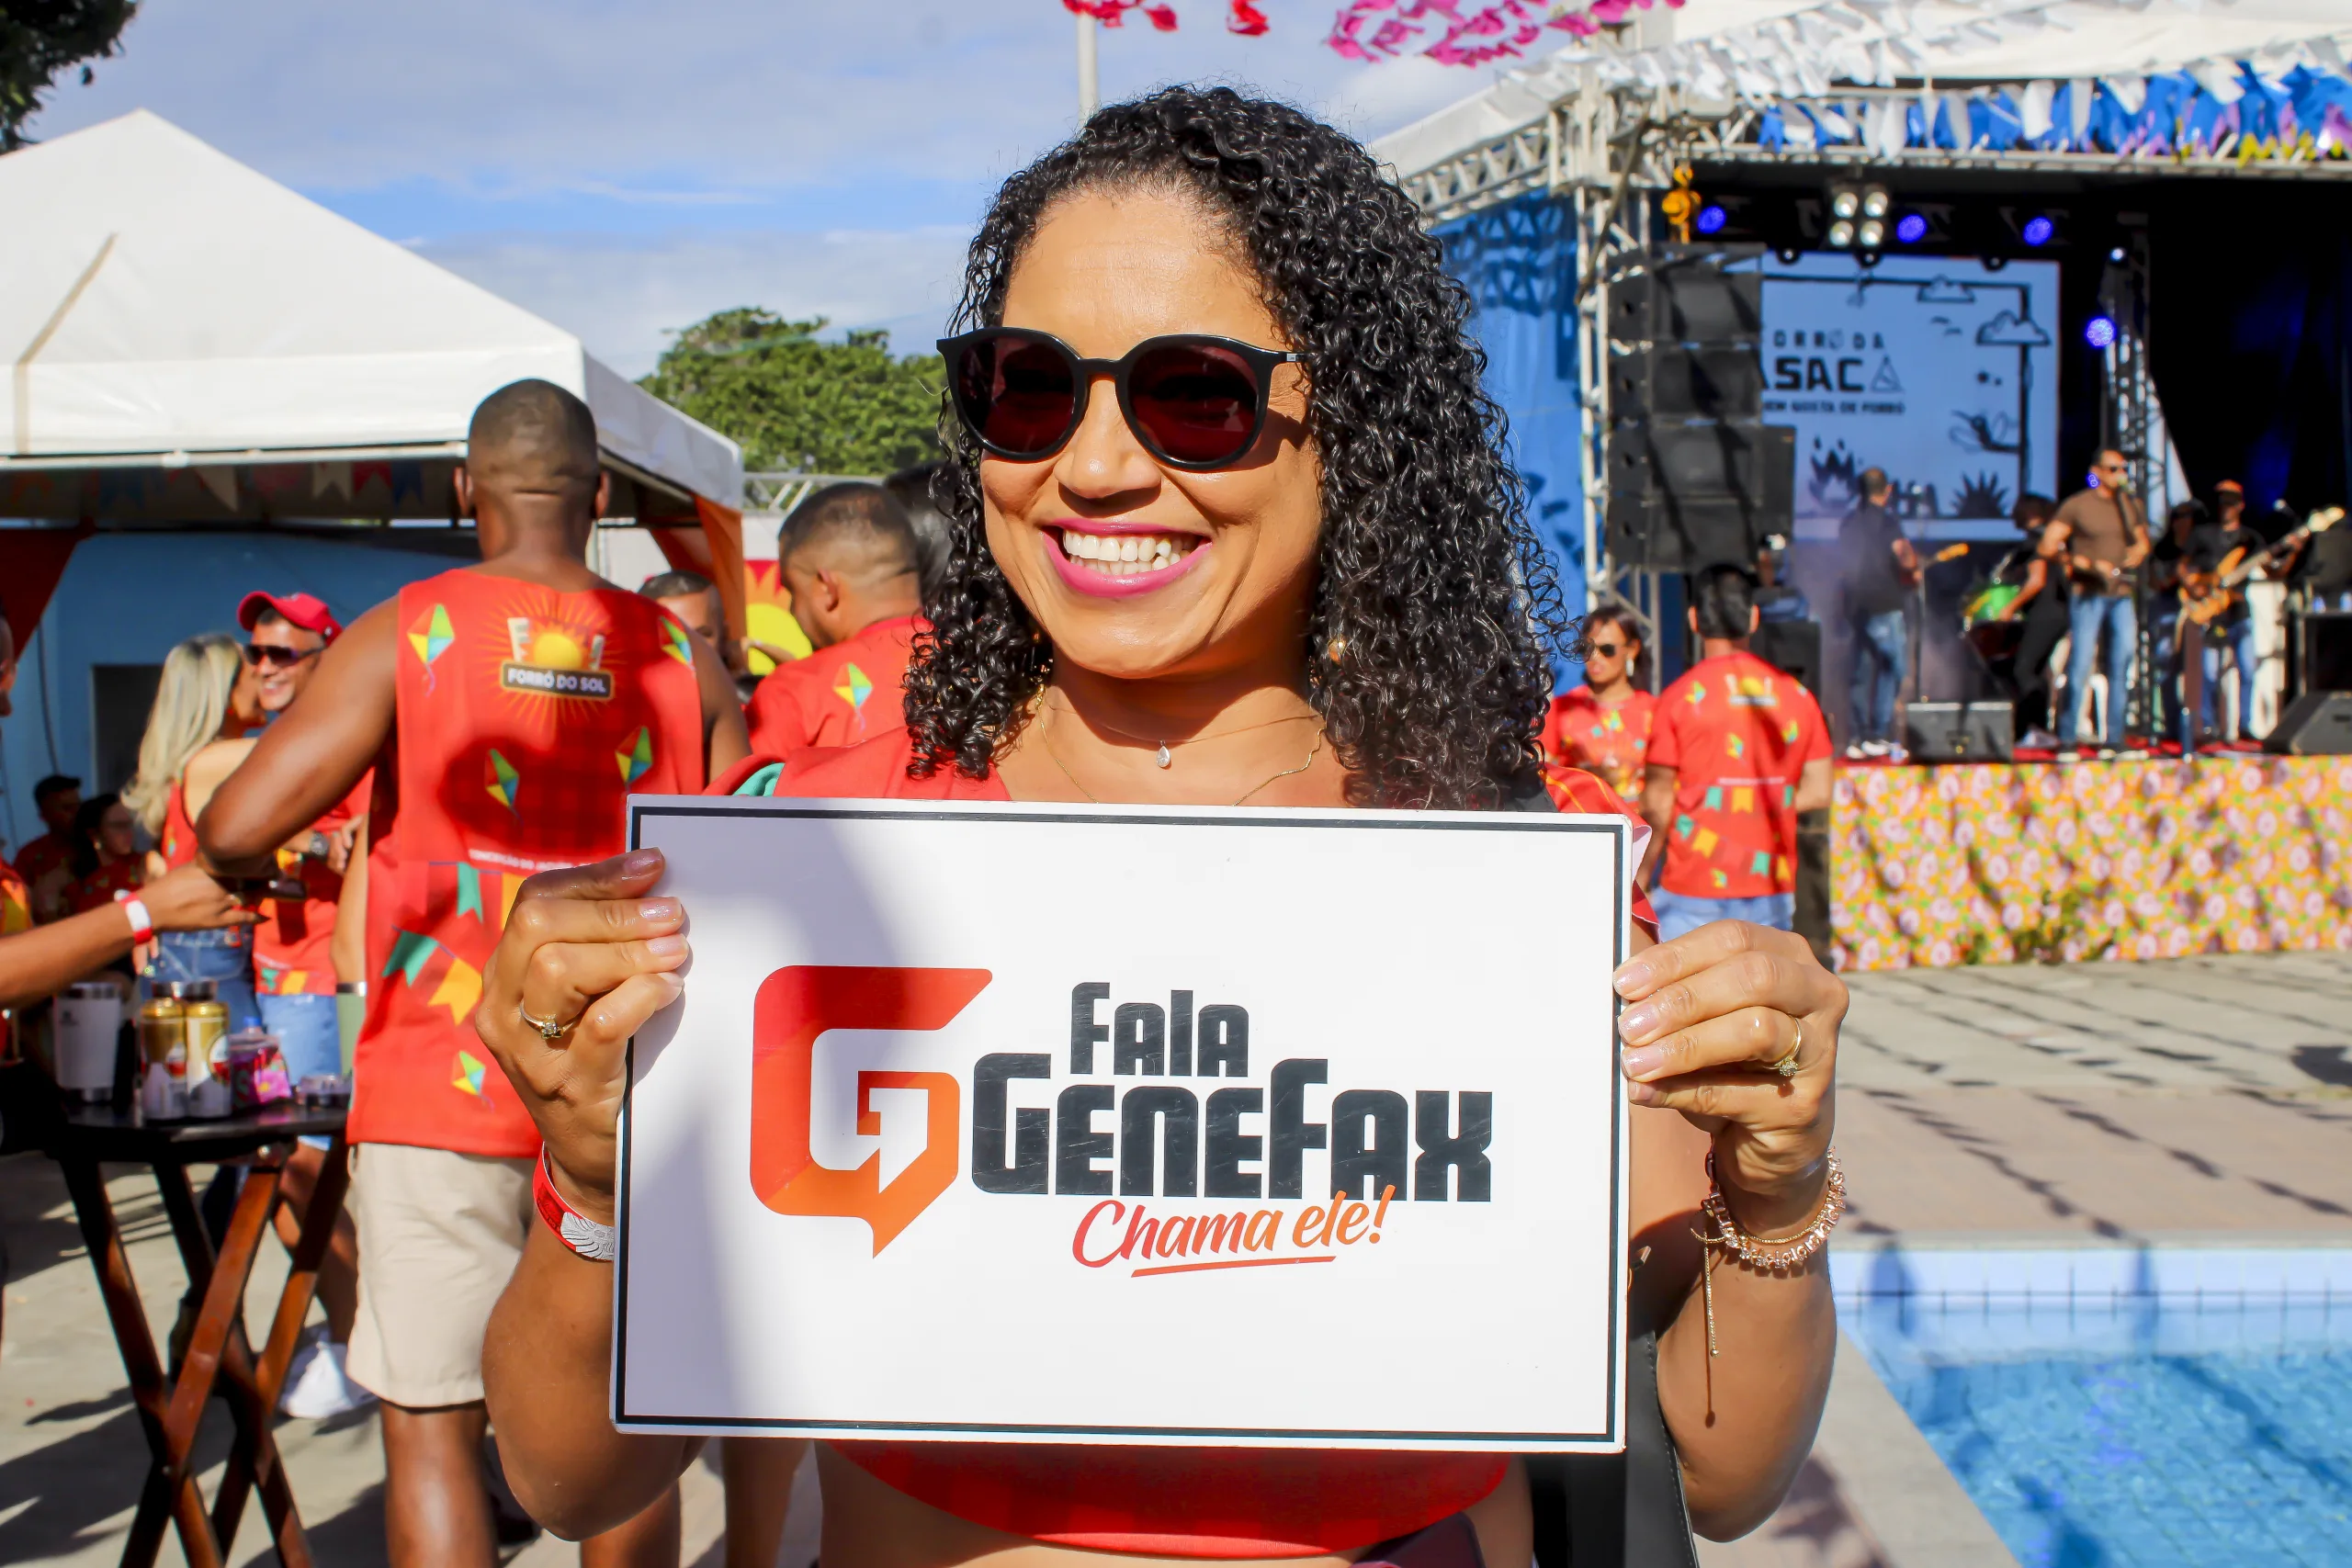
pixel 277 657
pixel 1194 401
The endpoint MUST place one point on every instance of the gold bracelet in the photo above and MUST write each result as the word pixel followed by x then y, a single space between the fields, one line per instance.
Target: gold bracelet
pixel 1771 1257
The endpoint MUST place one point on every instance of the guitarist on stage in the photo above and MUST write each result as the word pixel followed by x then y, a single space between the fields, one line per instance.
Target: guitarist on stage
pixel 2105 538
pixel 2210 544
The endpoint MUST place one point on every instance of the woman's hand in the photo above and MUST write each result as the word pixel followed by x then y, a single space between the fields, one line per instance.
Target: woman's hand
pixel 588 949
pixel 1710 1015
pixel 189 899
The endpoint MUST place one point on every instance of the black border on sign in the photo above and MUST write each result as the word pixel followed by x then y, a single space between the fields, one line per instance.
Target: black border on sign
pixel 641 808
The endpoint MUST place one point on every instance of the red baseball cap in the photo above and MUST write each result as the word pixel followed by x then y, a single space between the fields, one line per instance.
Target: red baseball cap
pixel 302 610
pixel 2231 486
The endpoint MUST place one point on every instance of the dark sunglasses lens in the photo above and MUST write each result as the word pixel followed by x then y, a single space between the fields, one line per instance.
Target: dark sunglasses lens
pixel 1197 402
pixel 1607 650
pixel 1016 394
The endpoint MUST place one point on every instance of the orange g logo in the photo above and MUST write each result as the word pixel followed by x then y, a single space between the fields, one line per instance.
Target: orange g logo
pixel 793 1008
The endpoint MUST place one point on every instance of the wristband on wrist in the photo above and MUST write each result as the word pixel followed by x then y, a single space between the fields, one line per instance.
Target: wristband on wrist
pixel 598 1244
pixel 142 925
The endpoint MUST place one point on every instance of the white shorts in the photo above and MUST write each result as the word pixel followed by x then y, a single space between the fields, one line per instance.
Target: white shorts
pixel 439 1236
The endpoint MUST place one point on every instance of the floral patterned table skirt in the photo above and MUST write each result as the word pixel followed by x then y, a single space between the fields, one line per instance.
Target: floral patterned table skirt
pixel 1999 864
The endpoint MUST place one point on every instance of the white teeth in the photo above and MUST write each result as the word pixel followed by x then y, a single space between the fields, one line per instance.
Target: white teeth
pixel 1128 548
pixel 1125 555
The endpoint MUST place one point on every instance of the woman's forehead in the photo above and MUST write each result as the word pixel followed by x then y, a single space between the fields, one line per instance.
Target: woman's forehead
pixel 1105 271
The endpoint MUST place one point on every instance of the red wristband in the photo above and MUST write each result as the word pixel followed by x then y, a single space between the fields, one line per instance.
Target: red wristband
pixel 142 925
pixel 598 1244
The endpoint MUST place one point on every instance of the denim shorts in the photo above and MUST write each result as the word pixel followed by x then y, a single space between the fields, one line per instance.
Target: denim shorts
pixel 224 957
pixel 1679 913
pixel 308 1036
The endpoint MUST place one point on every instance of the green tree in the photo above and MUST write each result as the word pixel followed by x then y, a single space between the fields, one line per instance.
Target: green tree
pixel 797 402
pixel 40 39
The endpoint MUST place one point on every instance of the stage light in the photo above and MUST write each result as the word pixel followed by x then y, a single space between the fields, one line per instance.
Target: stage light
pixel 1841 235
pixel 1995 264
pixel 1845 202
pixel 1875 201
pixel 2038 230
pixel 1711 218
pixel 2098 331
pixel 2116 254
pixel 1910 229
pixel 1788 258
pixel 1872 235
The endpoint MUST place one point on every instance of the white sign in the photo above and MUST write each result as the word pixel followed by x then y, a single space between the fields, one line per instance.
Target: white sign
pixel 1060 1124
pixel 1939 369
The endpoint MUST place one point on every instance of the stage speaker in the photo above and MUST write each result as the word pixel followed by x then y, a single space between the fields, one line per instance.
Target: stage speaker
pixel 1663 381
pixel 1686 296
pixel 1793 648
pixel 2320 652
pixel 1960 732
pixel 2317 723
pixel 1684 497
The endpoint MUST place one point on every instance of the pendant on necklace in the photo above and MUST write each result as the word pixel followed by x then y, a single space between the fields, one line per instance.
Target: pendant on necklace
pixel 1161 757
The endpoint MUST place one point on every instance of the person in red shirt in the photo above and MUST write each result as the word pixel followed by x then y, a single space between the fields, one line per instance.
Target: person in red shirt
pixel 849 557
pixel 1737 749
pixel 106 859
pixel 57 798
pixel 506 711
pixel 1603 727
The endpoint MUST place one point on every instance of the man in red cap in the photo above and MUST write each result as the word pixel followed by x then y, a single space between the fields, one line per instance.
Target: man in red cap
pixel 294 974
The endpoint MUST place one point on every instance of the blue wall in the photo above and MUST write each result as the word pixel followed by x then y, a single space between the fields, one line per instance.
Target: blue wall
pixel 126 598
pixel 1519 262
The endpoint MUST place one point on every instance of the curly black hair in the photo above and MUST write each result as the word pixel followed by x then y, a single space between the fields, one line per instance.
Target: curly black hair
pixel 1435 609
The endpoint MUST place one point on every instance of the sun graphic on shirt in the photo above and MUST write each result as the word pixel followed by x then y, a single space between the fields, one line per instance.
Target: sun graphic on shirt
pixel 551 657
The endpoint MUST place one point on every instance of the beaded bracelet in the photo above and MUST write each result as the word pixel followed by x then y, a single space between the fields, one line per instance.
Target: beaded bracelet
pixel 1771 1257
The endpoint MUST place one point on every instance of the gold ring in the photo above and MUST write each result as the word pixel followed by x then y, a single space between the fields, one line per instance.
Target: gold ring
pixel 1787 1065
pixel 548 1029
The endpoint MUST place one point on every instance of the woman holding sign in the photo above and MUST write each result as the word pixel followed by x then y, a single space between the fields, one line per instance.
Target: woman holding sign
pixel 1232 524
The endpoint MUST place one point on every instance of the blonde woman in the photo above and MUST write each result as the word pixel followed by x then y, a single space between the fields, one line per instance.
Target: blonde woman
pixel 205 708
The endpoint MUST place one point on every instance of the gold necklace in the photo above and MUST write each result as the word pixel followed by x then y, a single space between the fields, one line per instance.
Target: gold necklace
pixel 1161 756
pixel 1312 752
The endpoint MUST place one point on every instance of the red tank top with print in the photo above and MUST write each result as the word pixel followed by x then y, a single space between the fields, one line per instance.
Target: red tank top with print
pixel 524 719
pixel 177 846
pixel 1206 1504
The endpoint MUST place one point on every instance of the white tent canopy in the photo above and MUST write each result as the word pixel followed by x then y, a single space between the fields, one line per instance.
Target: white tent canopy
pixel 165 306
pixel 1760 50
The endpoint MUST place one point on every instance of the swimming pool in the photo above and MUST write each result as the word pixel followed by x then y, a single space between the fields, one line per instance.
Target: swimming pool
pixel 2126 1407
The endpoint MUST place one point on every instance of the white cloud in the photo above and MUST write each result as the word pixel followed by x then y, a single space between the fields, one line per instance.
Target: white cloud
pixel 624 294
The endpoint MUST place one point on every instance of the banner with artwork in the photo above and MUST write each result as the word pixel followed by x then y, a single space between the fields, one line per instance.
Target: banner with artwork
pixel 1941 370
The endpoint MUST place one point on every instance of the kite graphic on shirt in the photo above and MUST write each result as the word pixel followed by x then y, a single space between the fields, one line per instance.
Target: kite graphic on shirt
pixel 503 781
pixel 674 643
pixel 854 687
pixel 431 635
pixel 637 758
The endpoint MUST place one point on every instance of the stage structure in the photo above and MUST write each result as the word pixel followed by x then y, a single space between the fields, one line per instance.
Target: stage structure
pixel 1765 93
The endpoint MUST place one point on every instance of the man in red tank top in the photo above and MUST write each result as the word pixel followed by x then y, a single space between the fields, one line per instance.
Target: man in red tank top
pixel 848 555
pixel 507 711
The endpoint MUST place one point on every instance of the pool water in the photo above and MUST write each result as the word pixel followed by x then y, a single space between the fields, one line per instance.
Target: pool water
pixel 2099 1417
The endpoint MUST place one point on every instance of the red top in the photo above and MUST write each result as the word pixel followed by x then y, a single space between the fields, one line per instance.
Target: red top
pixel 16 902
pixel 523 720
pixel 41 857
pixel 1609 741
pixel 97 890
pixel 1189 1503
pixel 837 696
pixel 178 845
pixel 293 943
pixel 1737 733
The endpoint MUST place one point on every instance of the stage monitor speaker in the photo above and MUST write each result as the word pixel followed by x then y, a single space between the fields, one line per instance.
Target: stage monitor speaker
pixel 1793 648
pixel 1960 732
pixel 1688 297
pixel 1664 381
pixel 2317 723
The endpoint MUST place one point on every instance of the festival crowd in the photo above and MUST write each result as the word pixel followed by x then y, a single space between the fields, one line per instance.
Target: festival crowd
pixel 1240 532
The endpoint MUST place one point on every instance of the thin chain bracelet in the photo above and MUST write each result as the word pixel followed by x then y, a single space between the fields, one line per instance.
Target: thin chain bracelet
pixel 1771 1256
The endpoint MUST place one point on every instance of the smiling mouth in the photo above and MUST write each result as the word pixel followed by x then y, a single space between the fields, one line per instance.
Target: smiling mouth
pixel 1127 555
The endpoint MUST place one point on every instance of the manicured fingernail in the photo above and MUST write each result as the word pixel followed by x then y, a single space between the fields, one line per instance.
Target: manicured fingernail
pixel 1640 1093
pixel 1641 1062
pixel 1638 1020
pixel 671 946
pixel 1631 976
pixel 636 862
pixel 659 909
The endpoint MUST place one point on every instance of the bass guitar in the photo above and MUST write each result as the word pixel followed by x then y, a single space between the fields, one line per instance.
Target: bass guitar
pixel 2206 596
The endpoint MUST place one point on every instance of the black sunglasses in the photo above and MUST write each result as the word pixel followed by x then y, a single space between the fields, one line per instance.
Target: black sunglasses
pixel 1607 649
pixel 1194 401
pixel 276 656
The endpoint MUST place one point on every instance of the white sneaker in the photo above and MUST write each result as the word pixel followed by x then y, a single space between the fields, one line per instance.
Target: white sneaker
pixel 1897 755
pixel 1875 748
pixel 316 1384
pixel 2039 740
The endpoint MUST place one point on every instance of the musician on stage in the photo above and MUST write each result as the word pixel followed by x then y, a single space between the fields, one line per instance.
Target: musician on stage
pixel 1878 569
pixel 2168 637
pixel 2037 570
pixel 2208 545
pixel 2105 538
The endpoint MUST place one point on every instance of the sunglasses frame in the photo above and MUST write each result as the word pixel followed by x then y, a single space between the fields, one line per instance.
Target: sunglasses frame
pixel 257 655
pixel 1262 363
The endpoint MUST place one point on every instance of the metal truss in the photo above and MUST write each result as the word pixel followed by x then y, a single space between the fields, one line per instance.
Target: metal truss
pixel 778 493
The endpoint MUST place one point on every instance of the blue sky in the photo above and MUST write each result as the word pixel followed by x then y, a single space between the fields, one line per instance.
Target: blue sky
pixel 622 169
